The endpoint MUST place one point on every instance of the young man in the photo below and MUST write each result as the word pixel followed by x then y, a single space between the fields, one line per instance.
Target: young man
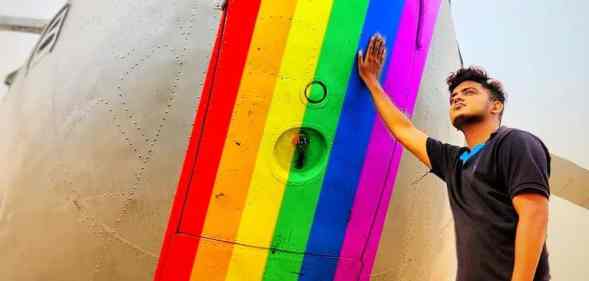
pixel 497 185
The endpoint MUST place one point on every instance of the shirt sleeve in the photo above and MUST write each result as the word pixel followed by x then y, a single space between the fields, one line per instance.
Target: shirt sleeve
pixel 442 157
pixel 525 164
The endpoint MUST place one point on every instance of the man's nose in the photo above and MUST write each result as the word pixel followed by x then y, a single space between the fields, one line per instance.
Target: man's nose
pixel 457 98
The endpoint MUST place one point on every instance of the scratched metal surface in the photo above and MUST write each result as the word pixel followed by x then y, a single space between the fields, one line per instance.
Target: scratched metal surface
pixel 93 139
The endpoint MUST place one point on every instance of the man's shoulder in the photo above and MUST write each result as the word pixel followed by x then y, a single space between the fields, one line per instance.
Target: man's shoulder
pixel 516 135
pixel 437 149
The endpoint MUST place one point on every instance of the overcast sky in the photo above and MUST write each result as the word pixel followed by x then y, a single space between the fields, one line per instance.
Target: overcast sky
pixel 538 49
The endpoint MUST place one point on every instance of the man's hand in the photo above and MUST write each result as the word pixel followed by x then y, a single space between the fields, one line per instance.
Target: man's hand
pixel 370 65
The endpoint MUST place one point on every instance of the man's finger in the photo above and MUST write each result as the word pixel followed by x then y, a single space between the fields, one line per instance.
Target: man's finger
pixel 360 57
pixel 381 53
pixel 371 46
pixel 379 49
pixel 376 45
pixel 384 44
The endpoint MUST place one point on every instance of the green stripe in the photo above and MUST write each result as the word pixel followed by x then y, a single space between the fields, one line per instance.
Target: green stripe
pixel 337 59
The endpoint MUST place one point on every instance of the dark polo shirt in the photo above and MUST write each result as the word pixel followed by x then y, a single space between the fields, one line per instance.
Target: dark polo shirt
pixel 481 189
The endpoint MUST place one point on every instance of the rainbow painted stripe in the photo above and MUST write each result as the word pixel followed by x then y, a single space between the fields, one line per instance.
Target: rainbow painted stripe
pixel 266 222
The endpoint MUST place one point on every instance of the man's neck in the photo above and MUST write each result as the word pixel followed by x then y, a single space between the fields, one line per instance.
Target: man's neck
pixel 478 133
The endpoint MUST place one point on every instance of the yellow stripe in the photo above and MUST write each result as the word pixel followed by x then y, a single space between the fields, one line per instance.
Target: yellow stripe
pixel 241 145
pixel 286 112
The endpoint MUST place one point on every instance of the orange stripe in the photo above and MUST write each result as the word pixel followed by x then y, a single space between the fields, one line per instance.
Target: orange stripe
pixel 242 142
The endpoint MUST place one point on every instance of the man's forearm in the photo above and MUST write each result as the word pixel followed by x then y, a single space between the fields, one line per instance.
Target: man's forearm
pixel 394 119
pixel 529 242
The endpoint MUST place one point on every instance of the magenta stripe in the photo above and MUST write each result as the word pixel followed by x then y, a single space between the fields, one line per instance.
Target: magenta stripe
pixel 402 84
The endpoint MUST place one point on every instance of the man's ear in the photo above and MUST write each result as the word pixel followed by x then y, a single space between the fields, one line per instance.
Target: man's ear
pixel 497 107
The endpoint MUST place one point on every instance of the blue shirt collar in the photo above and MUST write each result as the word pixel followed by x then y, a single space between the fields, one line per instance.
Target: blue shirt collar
pixel 468 154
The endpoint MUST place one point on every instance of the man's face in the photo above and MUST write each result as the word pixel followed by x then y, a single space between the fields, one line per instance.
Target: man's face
pixel 470 103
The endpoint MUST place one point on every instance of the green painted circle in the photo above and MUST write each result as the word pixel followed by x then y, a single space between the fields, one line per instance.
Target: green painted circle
pixel 299 164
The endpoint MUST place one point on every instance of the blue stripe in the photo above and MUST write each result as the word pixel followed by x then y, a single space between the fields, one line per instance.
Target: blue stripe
pixel 347 157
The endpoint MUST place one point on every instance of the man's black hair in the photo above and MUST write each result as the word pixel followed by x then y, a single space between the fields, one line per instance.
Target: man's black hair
pixel 479 75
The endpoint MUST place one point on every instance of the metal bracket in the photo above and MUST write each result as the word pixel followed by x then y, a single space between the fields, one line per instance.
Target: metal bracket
pixel 10 78
pixel 18 24
pixel 49 37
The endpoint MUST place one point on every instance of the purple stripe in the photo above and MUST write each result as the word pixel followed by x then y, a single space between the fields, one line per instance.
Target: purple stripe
pixel 402 84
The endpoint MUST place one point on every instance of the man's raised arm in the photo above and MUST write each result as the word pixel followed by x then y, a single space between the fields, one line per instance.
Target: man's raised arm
pixel 370 66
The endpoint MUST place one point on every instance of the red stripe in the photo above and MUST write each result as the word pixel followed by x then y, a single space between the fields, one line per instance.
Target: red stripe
pixel 239 27
pixel 181 250
pixel 203 155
